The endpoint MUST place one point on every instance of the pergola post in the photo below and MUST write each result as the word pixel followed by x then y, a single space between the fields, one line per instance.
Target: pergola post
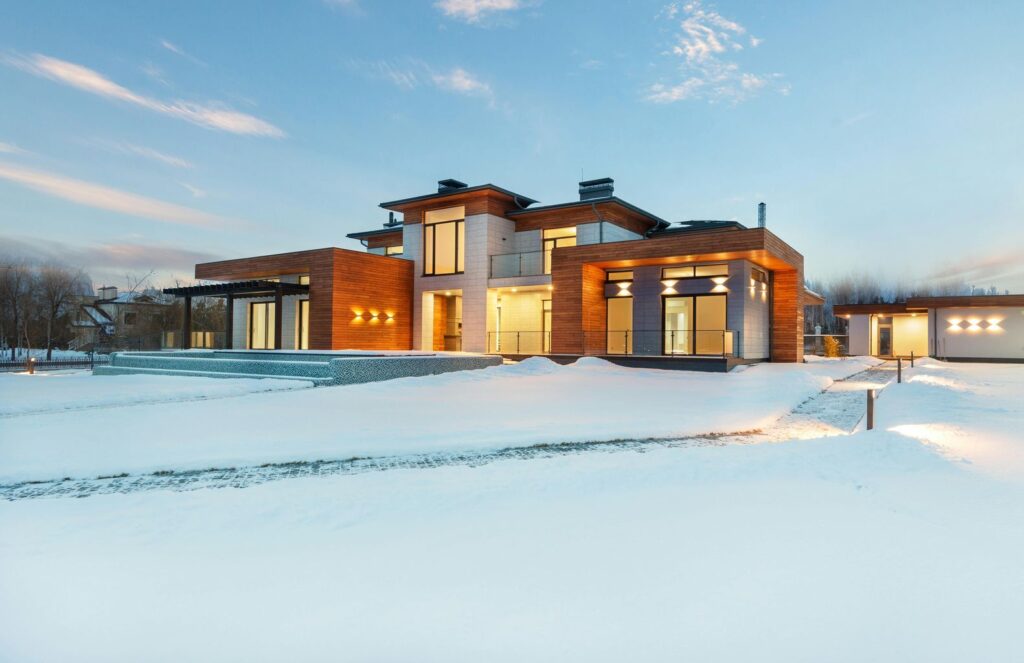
pixel 186 324
pixel 229 322
pixel 278 314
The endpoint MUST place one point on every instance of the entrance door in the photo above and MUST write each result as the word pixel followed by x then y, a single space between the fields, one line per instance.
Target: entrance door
pixel 885 340
pixel 261 325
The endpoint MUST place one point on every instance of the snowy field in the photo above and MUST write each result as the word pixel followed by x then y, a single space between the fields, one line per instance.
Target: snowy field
pixel 533 402
pixel 899 544
pixel 59 391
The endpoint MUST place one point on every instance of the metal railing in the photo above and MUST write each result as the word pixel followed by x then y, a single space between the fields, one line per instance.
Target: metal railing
pixel 670 342
pixel 519 342
pixel 88 360
pixel 530 263
pixel 641 342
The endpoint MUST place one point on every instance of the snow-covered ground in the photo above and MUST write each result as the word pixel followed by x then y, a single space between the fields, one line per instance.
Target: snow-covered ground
pixel 533 402
pixel 899 544
pixel 49 392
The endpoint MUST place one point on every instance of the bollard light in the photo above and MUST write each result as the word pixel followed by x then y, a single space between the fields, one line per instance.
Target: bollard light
pixel 31 365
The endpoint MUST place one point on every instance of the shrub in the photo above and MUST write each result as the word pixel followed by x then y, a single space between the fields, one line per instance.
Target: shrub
pixel 831 346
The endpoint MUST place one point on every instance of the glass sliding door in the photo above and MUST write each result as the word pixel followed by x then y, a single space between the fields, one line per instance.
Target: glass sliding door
pixel 678 325
pixel 261 325
pixel 302 322
pixel 695 325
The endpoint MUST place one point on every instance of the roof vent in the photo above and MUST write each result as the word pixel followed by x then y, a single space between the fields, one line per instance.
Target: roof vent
pixel 444 186
pixel 594 189
pixel 762 215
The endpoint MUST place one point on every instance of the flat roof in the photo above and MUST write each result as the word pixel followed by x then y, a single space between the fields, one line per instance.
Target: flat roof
pixel 924 303
pixel 363 234
pixel 523 200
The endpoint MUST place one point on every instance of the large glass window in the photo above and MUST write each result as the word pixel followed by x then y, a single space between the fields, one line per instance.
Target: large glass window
pixel 696 325
pixel 555 238
pixel 444 241
pixel 393 250
pixel 302 324
pixel 261 325
pixel 695 272
pixel 620 326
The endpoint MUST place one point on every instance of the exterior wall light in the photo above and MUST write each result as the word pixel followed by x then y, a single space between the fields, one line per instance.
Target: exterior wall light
pixel 670 287
pixel 719 282
pixel 623 288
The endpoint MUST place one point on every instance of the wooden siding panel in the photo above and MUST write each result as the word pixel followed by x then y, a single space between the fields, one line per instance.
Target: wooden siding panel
pixel 383 241
pixel 572 216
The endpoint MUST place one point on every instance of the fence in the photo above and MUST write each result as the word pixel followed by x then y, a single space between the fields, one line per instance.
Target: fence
pixel 91 361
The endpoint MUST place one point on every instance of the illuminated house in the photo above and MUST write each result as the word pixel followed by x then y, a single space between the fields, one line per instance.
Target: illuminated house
pixel 484 269
pixel 966 328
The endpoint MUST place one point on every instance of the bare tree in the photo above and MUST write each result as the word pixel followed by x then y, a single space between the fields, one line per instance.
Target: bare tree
pixel 15 294
pixel 58 286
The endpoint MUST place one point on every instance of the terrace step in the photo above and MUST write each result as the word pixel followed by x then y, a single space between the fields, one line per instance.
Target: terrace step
pixel 257 365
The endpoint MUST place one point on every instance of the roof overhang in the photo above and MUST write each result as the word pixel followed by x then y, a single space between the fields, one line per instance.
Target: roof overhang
pixel 367 234
pixel 456 195
pixel 597 203
pixel 255 288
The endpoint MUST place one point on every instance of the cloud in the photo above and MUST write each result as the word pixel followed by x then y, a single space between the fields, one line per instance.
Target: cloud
pixel 412 74
pixel 177 50
pixel 474 11
pixel 7 148
pixel 111 261
pixel 107 198
pixel 1001 268
pixel 194 190
pixel 351 6
pixel 142 151
pixel 706 43
pixel 215 116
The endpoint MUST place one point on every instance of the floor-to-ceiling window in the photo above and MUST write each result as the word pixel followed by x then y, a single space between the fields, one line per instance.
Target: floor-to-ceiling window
pixel 555 238
pixel 302 323
pixel 545 323
pixel 695 325
pixel 261 325
pixel 444 241
pixel 620 326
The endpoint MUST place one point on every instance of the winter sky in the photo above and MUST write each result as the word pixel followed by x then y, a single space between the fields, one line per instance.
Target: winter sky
pixel 885 137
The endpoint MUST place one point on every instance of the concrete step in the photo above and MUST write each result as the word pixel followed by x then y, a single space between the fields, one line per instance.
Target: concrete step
pixel 129 370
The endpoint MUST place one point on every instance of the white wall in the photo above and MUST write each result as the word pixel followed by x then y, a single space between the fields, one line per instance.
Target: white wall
pixel 859 330
pixel 1005 341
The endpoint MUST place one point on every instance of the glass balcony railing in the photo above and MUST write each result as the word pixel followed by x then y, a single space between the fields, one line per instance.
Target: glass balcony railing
pixel 639 342
pixel 530 263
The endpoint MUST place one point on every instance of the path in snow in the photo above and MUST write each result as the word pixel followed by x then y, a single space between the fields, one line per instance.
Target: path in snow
pixel 835 411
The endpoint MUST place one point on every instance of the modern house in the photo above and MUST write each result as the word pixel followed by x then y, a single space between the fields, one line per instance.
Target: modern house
pixel 485 269
pixel 100 320
pixel 962 328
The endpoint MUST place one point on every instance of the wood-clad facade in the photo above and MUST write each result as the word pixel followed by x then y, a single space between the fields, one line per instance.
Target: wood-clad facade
pixel 517 287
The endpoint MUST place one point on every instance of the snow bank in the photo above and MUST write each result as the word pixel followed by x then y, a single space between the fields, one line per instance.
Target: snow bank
pixel 21 393
pixel 533 402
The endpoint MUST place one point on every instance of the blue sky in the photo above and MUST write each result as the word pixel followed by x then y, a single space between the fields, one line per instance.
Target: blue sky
pixel 885 137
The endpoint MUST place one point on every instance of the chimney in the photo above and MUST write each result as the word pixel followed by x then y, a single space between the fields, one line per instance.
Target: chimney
pixel 444 186
pixel 392 221
pixel 595 189
pixel 762 215
pixel 108 292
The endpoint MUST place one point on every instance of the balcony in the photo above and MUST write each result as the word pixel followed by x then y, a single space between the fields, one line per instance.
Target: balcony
pixel 530 263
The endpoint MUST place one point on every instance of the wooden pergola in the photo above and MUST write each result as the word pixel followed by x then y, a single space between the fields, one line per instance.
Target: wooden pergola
pixel 231 291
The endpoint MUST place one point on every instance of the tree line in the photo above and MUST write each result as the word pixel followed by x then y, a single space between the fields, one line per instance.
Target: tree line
pixel 38 303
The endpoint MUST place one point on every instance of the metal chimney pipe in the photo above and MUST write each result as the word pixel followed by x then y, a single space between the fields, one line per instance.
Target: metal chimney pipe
pixel 762 215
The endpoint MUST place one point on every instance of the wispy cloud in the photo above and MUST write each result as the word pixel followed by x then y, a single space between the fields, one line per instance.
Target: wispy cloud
pixel 7 148
pixel 214 116
pixel 1003 269
pixel 179 51
pixel 141 151
pixel 412 74
pixel 351 6
pixel 107 198
pixel 707 45
pixel 475 11
pixel 194 190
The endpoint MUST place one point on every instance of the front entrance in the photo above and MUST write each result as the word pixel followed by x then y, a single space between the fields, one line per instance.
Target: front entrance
pixel 261 325
pixel 885 340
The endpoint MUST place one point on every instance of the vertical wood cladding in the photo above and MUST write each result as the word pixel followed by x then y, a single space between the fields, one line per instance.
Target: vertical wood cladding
pixel 577 275
pixel 440 321
pixel 341 283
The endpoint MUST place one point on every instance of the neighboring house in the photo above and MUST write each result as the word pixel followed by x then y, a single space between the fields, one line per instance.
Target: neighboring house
pixel 129 317
pixel 958 328
pixel 484 269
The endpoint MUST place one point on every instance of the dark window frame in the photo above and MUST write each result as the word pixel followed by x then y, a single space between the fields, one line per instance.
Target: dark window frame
pixel 266 320
pixel 433 248
pixel 693 269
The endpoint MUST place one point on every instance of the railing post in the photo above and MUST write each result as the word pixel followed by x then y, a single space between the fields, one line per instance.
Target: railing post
pixel 871 409
pixel 517 342
pixel 911 358
pixel 899 370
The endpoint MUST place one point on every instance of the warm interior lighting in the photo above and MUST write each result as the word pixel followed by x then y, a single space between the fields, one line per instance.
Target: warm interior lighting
pixel 448 293
pixel 550 288
pixel 515 289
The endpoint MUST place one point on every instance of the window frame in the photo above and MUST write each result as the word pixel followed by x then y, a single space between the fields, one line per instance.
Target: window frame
pixel 555 243
pixel 693 272
pixel 460 225
pixel 693 329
